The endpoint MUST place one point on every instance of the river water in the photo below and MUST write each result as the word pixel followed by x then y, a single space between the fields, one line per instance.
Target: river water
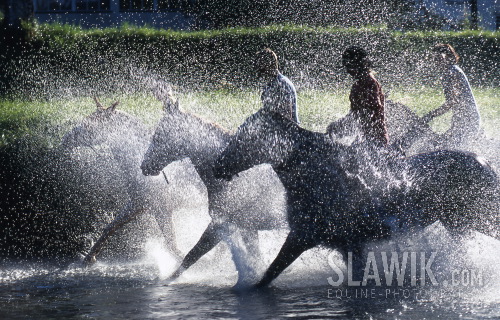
pixel 468 287
pixel 461 280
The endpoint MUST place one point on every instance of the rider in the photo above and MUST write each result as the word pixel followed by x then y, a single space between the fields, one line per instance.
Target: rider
pixel 371 159
pixel 278 94
pixel 366 97
pixel 465 123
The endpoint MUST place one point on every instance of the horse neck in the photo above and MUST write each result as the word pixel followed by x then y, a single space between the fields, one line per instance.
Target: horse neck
pixel 212 184
pixel 305 149
pixel 205 146
pixel 204 163
pixel 296 139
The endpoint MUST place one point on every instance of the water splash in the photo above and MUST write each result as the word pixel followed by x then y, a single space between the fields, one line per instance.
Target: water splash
pixel 139 256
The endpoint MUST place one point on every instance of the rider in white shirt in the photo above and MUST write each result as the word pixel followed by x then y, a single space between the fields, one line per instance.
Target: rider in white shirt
pixel 465 123
pixel 279 94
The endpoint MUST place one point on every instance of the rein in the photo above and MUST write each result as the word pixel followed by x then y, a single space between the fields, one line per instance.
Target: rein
pixel 165 176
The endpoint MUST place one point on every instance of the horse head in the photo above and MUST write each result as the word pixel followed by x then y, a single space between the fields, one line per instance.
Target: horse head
pixel 264 137
pixel 181 135
pixel 94 129
pixel 157 156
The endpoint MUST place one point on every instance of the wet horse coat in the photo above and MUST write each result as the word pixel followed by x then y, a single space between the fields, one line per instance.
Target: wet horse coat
pixel 127 138
pixel 252 202
pixel 327 207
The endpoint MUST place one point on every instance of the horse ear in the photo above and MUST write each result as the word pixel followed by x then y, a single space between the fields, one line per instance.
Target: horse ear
pixel 113 106
pixel 171 106
pixel 98 103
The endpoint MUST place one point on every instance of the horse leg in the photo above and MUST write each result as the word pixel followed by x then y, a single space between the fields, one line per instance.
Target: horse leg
pixel 293 247
pixel 168 232
pixel 356 263
pixel 129 212
pixel 212 235
pixel 246 256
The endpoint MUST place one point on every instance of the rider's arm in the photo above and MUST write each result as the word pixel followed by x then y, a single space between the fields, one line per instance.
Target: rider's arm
pixel 451 88
pixel 445 107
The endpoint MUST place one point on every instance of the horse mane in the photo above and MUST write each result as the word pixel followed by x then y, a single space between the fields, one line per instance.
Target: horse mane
pixel 275 116
pixel 122 119
pixel 164 94
pixel 288 125
pixel 210 125
pixel 133 120
pixel 200 122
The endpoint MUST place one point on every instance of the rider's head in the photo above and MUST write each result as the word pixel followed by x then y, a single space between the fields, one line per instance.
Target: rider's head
pixel 266 62
pixel 355 60
pixel 445 53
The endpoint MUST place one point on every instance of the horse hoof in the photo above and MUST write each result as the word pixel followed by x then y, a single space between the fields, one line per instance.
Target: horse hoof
pixel 174 276
pixel 167 282
pixel 89 260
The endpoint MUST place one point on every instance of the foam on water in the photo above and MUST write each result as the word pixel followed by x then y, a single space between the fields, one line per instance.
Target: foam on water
pixel 230 265
pixel 225 266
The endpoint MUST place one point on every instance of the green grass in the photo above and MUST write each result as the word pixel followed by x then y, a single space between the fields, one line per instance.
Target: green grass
pixel 147 31
pixel 229 108
pixel 317 108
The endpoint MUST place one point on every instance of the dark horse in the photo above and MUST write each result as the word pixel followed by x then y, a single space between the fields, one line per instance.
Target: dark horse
pixel 327 207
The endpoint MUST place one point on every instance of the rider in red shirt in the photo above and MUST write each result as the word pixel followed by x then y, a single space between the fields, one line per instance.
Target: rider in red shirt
pixel 367 99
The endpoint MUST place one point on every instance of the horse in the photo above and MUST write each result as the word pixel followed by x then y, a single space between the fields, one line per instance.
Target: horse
pixel 327 206
pixel 127 138
pixel 252 202
pixel 412 135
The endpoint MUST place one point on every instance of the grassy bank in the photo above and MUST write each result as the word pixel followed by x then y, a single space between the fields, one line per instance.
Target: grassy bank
pixel 317 108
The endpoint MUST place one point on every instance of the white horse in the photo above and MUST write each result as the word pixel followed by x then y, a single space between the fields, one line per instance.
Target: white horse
pixel 251 202
pixel 410 133
pixel 127 138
